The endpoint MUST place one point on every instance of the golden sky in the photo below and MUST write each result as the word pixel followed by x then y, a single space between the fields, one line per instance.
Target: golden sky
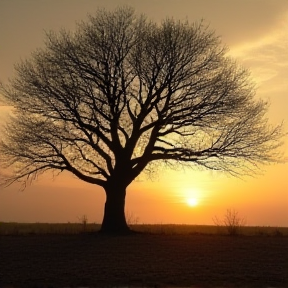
pixel 256 32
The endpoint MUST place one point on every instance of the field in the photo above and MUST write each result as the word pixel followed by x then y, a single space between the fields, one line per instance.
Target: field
pixel 76 228
pixel 63 255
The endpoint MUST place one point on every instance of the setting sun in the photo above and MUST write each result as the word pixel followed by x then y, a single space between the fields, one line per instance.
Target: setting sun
pixel 190 196
pixel 192 202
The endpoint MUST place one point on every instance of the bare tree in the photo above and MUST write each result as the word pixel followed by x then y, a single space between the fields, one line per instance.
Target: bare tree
pixel 123 92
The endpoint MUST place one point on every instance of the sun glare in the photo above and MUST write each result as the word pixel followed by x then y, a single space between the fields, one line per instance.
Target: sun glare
pixel 190 196
pixel 192 202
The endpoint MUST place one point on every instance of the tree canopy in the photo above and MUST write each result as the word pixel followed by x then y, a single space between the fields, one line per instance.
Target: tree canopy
pixel 123 92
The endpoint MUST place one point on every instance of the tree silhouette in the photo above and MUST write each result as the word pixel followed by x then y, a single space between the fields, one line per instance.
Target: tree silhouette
pixel 123 92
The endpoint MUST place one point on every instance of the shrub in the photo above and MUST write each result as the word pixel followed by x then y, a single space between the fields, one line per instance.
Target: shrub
pixel 231 221
pixel 83 220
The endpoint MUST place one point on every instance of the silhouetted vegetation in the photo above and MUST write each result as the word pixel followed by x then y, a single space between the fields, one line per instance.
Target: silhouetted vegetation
pixel 123 93
pixel 231 221
pixel 166 229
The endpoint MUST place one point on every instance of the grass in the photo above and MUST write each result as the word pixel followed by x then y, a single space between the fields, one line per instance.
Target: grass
pixel 11 228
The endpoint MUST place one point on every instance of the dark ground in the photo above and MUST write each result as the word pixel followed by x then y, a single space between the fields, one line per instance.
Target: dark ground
pixel 140 260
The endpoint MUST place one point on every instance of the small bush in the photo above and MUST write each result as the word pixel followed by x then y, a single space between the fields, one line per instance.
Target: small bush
pixel 231 221
pixel 83 220
pixel 131 219
pixel 277 233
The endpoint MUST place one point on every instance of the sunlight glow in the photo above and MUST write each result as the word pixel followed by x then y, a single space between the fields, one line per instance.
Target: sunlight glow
pixel 192 202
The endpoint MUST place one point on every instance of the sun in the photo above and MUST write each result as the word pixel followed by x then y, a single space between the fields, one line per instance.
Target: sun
pixel 192 202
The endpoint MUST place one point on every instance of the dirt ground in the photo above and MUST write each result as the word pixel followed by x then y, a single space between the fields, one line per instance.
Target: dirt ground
pixel 143 260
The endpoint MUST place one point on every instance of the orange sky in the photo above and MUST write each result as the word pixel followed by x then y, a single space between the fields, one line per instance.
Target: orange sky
pixel 256 33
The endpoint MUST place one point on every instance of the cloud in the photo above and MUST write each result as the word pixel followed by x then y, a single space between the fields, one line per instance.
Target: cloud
pixel 267 56
pixel 267 59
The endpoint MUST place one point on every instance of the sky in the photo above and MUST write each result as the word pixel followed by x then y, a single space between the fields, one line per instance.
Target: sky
pixel 256 33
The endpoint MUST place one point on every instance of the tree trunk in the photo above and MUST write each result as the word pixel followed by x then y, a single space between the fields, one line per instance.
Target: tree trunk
pixel 114 221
